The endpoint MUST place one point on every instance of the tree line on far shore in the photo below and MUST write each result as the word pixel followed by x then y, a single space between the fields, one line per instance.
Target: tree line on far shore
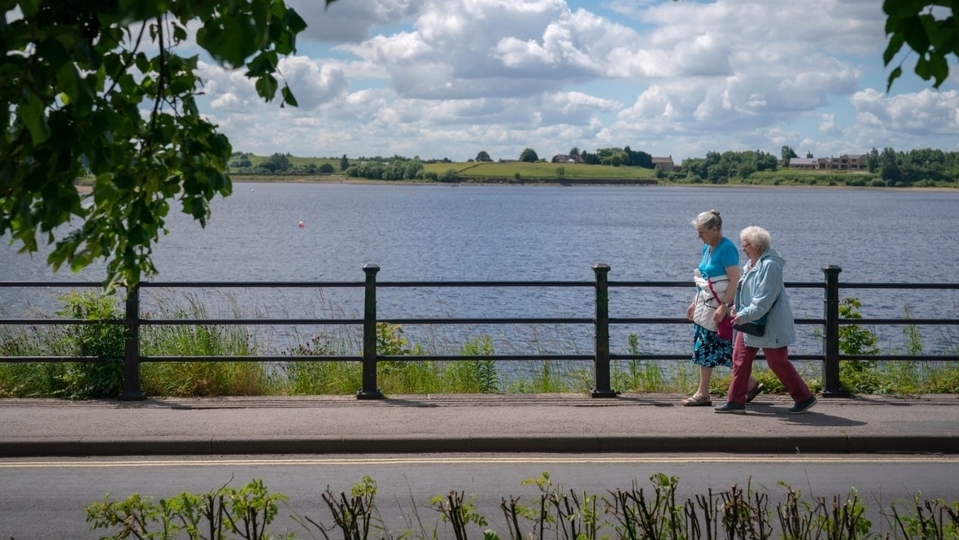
pixel 888 167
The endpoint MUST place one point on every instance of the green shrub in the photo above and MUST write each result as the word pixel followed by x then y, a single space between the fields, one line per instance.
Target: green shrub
pixel 102 378
pixel 473 376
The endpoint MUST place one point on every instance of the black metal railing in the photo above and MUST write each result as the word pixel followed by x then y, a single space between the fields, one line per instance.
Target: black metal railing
pixel 600 321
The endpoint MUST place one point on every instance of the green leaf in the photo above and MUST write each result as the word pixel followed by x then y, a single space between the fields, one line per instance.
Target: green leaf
pixel 895 44
pixel 230 38
pixel 266 87
pixel 294 22
pixel 892 77
pixel 915 34
pixel 922 68
pixel 288 97
pixel 32 115
pixel 939 69
pixel 264 63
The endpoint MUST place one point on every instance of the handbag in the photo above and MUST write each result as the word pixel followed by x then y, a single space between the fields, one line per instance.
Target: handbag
pixel 725 327
pixel 758 327
pixel 752 328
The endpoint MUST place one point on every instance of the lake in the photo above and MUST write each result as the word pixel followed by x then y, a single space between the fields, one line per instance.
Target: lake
pixel 534 233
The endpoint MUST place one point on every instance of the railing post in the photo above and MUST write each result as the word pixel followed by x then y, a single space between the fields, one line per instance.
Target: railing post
pixel 131 348
pixel 601 322
pixel 831 386
pixel 369 390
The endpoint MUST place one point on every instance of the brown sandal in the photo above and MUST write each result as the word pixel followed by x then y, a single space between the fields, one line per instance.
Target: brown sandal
pixel 697 401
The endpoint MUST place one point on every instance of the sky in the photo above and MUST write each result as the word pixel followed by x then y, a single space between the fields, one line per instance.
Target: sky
pixel 450 78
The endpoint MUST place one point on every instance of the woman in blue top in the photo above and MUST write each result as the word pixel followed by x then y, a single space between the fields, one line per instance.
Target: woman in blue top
pixel 720 266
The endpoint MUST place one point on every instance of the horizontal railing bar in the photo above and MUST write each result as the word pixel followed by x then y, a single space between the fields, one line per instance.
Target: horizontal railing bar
pixel 291 358
pixel 517 320
pixel 250 322
pixel 903 357
pixel 844 286
pixel 48 322
pixel 898 321
pixel 250 284
pixel 59 359
pixel 494 357
pixel 433 284
pixel 305 322
pixel 648 320
pixel 381 358
pixel 657 356
pixel 50 284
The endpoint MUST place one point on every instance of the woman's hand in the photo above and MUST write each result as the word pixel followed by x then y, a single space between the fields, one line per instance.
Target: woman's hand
pixel 720 313
pixel 690 310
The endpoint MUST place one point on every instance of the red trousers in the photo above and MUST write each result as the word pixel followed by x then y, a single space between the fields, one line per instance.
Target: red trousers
pixel 778 360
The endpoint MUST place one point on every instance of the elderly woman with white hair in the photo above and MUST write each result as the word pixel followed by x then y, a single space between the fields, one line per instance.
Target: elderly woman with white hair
pixel 765 319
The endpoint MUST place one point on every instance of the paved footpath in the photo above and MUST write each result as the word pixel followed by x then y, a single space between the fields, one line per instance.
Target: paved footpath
pixel 566 423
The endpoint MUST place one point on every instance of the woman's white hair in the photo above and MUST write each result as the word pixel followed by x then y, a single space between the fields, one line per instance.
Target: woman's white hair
pixel 757 237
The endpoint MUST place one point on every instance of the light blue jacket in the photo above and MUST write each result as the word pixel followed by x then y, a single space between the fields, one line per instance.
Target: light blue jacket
pixel 757 292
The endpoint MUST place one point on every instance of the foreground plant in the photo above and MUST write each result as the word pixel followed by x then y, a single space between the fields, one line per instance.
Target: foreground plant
pixel 634 513
pixel 219 514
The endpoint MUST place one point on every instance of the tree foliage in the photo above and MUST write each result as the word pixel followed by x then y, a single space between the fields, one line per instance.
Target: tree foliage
pixel 930 29
pixel 787 153
pixel 483 156
pixel 96 88
pixel 719 168
pixel 529 156
pixel 281 162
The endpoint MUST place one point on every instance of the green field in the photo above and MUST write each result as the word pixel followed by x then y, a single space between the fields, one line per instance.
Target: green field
pixel 542 171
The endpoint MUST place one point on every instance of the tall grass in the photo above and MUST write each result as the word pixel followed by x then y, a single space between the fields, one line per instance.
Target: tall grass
pixel 395 376
pixel 200 378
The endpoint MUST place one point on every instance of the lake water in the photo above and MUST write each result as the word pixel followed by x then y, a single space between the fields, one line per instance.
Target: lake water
pixel 489 232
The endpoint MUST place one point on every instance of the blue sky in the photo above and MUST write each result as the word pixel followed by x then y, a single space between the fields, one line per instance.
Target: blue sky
pixel 451 78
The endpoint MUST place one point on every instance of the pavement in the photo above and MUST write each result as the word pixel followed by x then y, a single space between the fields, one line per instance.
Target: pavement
pixel 567 423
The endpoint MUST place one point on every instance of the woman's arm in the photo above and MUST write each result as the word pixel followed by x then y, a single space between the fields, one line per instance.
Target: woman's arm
pixel 732 272
pixel 768 285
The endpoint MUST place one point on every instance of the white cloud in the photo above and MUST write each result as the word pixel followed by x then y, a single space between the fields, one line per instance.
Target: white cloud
pixel 827 124
pixel 928 111
pixel 913 120
pixel 312 82
pixel 442 78
pixel 349 20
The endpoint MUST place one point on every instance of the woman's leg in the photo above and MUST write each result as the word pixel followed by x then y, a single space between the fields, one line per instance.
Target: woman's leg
pixel 778 360
pixel 705 374
pixel 742 370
